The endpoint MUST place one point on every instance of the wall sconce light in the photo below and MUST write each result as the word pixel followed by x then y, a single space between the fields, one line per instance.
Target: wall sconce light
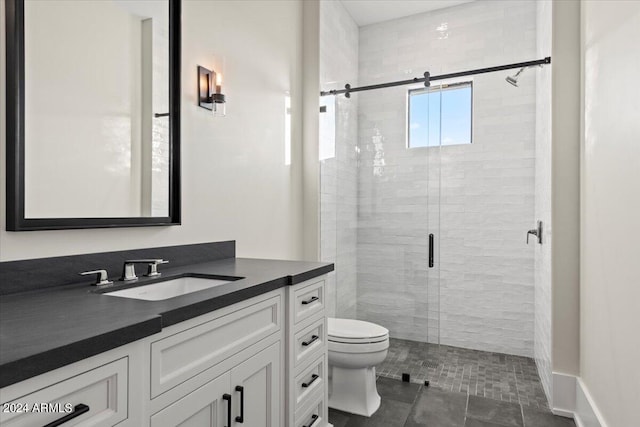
pixel 210 94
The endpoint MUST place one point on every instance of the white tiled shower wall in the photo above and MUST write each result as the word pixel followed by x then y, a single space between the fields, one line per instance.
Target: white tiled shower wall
pixel 338 174
pixel 477 199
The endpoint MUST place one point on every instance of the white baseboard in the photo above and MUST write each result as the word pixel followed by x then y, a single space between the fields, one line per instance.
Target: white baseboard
pixel 572 399
pixel 564 394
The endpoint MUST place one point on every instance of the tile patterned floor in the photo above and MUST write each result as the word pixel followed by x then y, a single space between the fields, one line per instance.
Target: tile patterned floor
pixel 414 405
pixel 479 373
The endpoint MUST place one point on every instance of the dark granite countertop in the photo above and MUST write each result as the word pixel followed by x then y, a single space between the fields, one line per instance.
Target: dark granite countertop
pixel 46 329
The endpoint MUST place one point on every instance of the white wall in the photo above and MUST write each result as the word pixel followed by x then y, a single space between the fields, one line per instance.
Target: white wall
pixel 234 180
pixel 478 199
pixel 310 129
pixel 610 285
pixel 565 182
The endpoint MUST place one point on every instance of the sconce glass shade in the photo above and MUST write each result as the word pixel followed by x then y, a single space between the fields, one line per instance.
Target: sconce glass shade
pixel 219 105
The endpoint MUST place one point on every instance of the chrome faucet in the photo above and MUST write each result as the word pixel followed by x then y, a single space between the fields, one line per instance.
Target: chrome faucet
pixel 101 278
pixel 152 269
pixel 129 270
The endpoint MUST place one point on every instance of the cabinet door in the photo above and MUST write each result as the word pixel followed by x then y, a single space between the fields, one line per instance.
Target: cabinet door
pixel 257 387
pixel 204 407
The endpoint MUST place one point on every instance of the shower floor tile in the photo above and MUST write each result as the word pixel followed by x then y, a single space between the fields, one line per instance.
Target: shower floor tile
pixel 495 376
pixel 414 405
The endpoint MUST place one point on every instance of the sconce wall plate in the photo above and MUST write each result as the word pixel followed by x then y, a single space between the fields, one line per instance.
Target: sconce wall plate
pixel 205 86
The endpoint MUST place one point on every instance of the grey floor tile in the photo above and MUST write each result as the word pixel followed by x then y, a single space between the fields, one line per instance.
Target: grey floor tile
pixel 437 408
pixel 391 413
pixel 471 422
pixel 495 375
pixel 536 418
pixel 397 390
pixel 494 411
pixel 338 418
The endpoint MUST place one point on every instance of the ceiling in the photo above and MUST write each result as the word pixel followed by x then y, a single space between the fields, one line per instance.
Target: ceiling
pixel 366 12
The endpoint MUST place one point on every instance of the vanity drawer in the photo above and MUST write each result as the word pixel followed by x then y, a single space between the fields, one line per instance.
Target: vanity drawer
pixel 312 416
pixel 308 301
pixel 181 356
pixel 309 342
pixel 309 381
pixel 101 393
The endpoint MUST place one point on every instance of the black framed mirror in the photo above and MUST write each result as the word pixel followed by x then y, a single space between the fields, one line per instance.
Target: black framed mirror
pixel 93 113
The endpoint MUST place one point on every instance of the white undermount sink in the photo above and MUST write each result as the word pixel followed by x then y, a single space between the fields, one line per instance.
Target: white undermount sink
pixel 169 288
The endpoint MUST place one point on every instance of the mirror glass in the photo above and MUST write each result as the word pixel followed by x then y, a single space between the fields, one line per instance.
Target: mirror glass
pixel 96 98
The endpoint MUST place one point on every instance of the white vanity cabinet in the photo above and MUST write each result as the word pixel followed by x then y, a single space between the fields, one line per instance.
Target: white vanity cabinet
pixel 248 394
pixel 306 359
pixel 261 362
pixel 224 368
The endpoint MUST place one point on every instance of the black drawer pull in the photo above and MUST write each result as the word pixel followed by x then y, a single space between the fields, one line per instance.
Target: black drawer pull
pixel 240 418
pixel 311 341
pixel 310 300
pixel 313 378
pixel 314 418
pixel 227 397
pixel 77 411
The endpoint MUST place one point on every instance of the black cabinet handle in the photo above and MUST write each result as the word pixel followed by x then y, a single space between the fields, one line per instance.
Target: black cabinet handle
pixel 313 378
pixel 310 300
pixel 431 250
pixel 77 411
pixel 313 338
pixel 156 115
pixel 314 418
pixel 240 418
pixel 227 397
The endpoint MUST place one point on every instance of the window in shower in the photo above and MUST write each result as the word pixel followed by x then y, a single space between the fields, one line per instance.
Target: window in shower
pixel 440 115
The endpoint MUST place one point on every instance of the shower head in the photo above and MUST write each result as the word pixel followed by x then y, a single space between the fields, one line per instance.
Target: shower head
pixel 514 79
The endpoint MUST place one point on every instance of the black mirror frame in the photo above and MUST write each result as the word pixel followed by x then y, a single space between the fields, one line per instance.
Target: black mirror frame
pixel 15 101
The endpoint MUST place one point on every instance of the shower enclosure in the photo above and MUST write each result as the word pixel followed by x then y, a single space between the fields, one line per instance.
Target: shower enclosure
pixel 426 216
pixel 428 191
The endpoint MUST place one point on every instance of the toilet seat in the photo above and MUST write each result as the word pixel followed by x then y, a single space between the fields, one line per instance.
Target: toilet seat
pixel 365 347
pixel 350 331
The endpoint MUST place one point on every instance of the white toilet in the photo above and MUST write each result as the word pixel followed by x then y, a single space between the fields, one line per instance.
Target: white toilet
pixel 355 347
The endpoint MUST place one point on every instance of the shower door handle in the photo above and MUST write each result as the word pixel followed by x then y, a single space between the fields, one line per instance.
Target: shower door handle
pixel 431 250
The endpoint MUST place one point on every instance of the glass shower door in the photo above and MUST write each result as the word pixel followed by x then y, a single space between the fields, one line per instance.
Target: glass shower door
pixel 452 161
pixel 424 140
pixel 392 219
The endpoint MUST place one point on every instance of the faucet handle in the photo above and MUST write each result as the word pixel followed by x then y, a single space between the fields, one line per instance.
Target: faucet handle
pixel 101 278
pixel 152 270
pixel 530 232
pixel 536 232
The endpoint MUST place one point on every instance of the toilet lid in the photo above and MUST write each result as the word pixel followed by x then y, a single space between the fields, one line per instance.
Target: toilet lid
pixel 351 329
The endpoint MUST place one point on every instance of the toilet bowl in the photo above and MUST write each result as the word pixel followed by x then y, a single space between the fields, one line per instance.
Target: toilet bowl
pixel 355 347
